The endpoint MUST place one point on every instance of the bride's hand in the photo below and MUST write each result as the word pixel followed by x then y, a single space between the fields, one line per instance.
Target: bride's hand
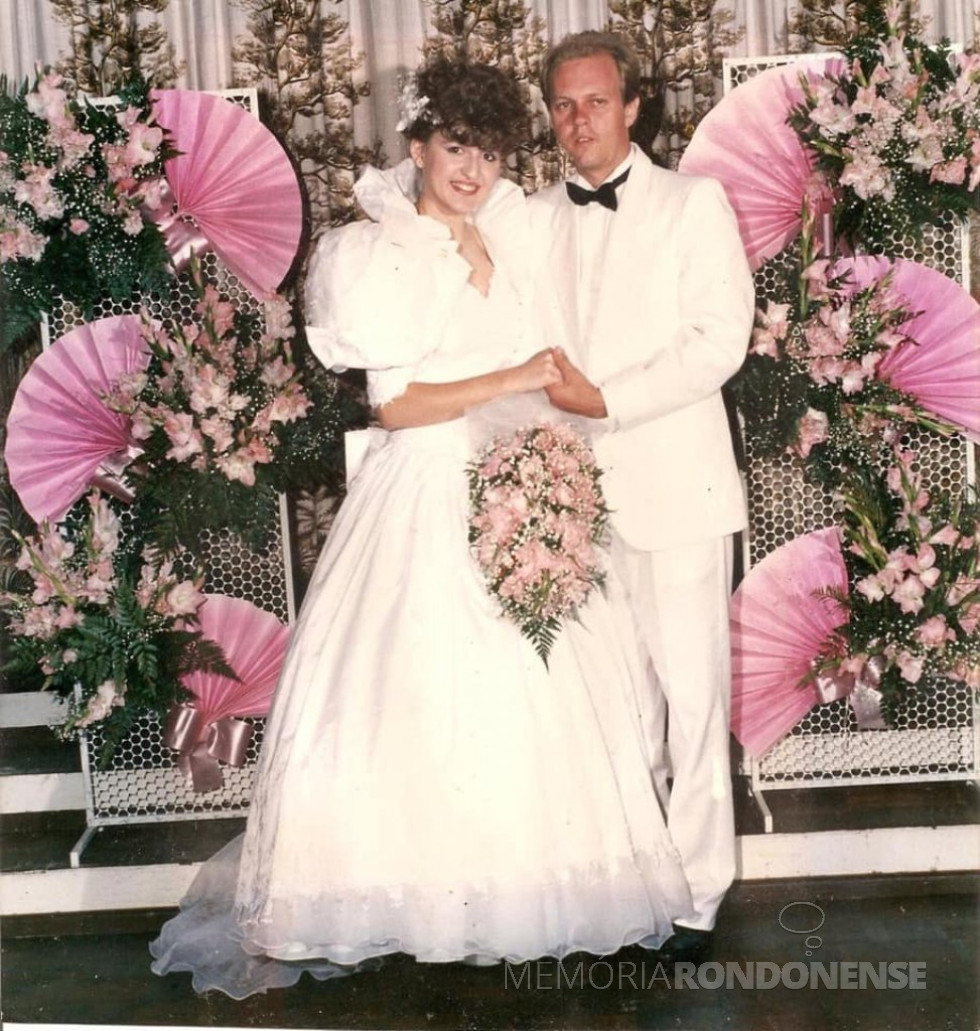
pixel 539 371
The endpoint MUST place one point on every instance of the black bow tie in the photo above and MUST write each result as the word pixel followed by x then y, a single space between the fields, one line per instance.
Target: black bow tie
pixel 604 195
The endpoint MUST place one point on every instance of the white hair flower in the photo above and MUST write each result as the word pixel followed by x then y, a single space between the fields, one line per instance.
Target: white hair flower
pixel 411 104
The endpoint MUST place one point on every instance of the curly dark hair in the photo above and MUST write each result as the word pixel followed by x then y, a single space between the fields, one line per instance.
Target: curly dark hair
pixel 476 105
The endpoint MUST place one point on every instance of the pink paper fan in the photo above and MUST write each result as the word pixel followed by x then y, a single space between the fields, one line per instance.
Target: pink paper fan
pixel 59 431
pixel 745 143
pixel 254 643
pixel 779 623
pixel 941 370
pixel 235 182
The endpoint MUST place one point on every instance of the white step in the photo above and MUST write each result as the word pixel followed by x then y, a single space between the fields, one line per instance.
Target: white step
pixel 893 850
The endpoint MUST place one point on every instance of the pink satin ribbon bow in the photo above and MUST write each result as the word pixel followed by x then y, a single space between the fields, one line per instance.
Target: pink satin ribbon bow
pixel 860 690
pixel 183 238
pixel 110 478
pixel 204 743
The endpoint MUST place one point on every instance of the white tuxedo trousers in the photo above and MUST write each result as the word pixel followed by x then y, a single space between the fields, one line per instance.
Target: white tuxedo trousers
pixel 679 600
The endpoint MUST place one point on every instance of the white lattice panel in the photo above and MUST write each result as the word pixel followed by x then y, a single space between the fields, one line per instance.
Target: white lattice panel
pixel 142 782
pixel 936 738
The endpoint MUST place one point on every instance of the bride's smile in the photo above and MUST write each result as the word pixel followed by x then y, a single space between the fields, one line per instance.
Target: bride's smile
pixel 456 178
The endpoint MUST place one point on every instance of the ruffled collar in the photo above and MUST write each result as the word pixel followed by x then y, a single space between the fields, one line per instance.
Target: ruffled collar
pixel 388 196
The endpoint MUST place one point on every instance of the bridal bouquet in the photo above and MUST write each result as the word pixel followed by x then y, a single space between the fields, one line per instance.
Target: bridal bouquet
pixel 898 133
pixel 117 625
pixel 75 178
pixel 538 520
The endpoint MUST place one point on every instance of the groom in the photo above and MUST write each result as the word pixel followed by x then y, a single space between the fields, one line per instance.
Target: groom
pixel 650 301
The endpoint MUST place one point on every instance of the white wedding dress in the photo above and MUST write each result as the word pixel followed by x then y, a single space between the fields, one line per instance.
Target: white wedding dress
pixel 426 784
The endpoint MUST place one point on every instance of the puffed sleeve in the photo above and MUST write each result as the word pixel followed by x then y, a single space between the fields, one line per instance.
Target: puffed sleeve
pixel 378 297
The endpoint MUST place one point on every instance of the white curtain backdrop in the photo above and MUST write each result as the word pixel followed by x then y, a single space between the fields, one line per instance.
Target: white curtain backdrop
pixel 389 34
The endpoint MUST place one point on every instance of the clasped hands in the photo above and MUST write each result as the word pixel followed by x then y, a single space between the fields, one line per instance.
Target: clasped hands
pixel 566 385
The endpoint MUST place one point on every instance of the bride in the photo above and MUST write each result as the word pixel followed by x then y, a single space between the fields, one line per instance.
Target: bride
pixel 426 784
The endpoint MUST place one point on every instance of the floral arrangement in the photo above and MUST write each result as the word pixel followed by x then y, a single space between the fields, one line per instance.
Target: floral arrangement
pixel 118 624
pixel 75 179
pixel 808 385
pixel 538 520
pixel 914 567
pixel 210 414
pixel 897 134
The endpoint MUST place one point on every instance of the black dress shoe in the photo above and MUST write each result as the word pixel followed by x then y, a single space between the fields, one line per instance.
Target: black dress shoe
pixel 687 945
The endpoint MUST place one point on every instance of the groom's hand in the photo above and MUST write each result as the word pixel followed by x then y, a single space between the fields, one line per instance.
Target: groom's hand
pixel 575 393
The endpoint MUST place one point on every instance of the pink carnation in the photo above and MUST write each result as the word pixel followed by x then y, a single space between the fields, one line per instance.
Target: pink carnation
pixel 953 172
pixel 934 633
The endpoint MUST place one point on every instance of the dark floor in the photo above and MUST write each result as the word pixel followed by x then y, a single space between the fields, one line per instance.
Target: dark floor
pixel 94 969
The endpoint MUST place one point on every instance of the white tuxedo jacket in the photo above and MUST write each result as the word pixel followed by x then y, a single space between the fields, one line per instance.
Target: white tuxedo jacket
pixel 673 322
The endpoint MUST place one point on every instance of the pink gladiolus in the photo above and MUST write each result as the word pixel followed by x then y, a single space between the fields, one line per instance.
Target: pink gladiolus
pixel 910 666
pixel 277 373
pixel 143 144
pixel 531 471
pixel 219 432
pixel 219 312
pixel 961 588
pixel 764 342
pixel 185 438
pixel 969 618
pixel 909 594
pixel 834 119
pixel 238 466
pixel 118 165
pixel 533 559
pixel 871 587
pixel 207 388
pixel 947 535
pixel 37 190
pixel 815 277
pixel 822 341
pixel 868 177
pixel 49 102
pixel 853 377
pixel 491 467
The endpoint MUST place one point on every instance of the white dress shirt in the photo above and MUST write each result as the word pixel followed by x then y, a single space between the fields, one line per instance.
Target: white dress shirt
pixel 592 223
